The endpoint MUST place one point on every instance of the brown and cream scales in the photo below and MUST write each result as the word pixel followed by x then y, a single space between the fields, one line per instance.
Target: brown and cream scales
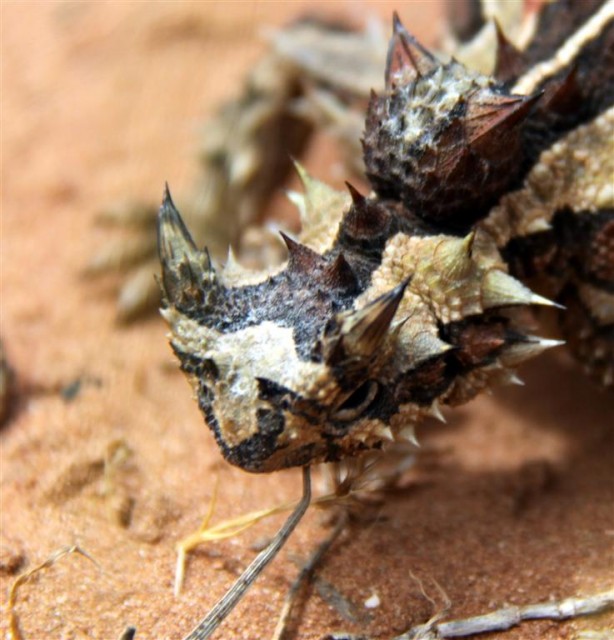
pixel 489 193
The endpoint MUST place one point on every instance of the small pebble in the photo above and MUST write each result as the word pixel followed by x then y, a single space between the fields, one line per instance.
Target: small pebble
pixel 373 602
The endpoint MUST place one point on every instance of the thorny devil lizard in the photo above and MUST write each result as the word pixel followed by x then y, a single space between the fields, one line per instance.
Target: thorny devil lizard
pixel 394 302
pixel 407 297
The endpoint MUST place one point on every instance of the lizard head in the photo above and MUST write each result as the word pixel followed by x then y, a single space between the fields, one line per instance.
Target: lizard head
pixel 379 313
pixel 286 371
pixel 336 353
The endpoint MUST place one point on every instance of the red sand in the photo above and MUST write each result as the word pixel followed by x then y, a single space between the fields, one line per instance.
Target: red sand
pixel 512 503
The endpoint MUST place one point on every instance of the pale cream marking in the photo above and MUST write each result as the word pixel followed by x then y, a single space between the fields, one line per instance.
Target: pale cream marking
pixel 567 52
pixel 267 351
pixel 321 209
pixel 576 172
pixel 433 99
pixel 234 274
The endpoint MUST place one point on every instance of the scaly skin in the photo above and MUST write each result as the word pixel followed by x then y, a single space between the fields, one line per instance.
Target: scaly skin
pixel 398 301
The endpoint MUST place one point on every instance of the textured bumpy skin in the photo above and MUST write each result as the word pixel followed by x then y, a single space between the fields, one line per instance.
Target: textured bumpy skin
pixel 395 302
pixel 433 140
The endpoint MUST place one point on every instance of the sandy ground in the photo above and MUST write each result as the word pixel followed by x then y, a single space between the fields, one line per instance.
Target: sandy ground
pixel 512 501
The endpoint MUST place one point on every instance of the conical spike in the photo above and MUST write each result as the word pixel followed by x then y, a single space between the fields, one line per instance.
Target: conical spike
pixel 407 58
pixel 383 432
pixel 499 289
pixel 316 192
pixel 174 239
pixel 364 220
pixel 562 97
pixel 526 349
pixel 169 314
pixel 185 269
pixel 339 274
pixel 397 25
pixel 425 59
pixel 426 346
pixel 513 379
pixel 409 435
pixel 303 174
pixel 375 107
pixel 435 412
pixel 231 260
pixel 233 272
pixel 467 244
pixel 510 62
pixel 453 256
pixel 484 120
pixel 362 331
pixel 396 327
pixel 357 217
pixel 319 202
pixel 357 198
pixel 301 257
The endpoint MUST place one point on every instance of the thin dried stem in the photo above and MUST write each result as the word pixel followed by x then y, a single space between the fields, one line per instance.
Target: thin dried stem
pixel 304 574
pixel 502 619
pixel 230 528
pixel 15 633
pixel 216 616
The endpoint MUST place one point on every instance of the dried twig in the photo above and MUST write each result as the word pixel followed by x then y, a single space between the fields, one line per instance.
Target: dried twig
pixel 340 603
pixel 224 606
pixel 502 619
pixel 15 633
pixel 346 490
pixel 304 574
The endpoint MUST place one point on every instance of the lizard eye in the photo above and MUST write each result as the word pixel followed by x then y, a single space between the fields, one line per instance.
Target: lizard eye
pixel 357 402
